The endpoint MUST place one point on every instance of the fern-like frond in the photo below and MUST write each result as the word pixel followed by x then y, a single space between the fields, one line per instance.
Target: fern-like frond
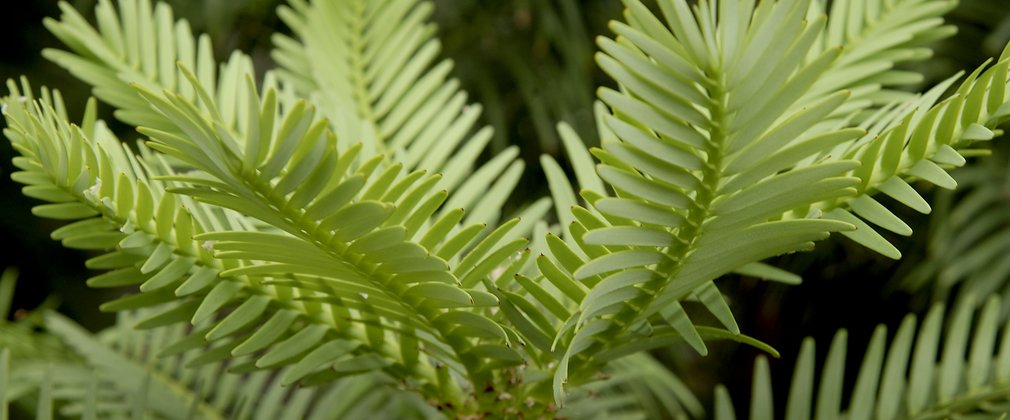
pixel 141 43
pixel 689 123
pixel 918 140
pixel 879 39
pixel 358 227
pixel 723 156
pixel 373 69
pixel 91 179
pixel 304 241
pixel 548 301
pixel 438 132
pixel 122 373
pixel 81 171
pixel 122 376
pixel 573 252
pixel 354 240
pixel 360 70
pixel 386 215
pixel 960 370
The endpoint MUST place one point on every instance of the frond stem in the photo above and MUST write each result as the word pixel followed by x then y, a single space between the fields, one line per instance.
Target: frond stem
pixel 358 78
pixel 666 271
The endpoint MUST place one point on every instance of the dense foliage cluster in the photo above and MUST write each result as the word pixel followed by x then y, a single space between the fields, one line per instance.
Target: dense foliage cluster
pixel 326 239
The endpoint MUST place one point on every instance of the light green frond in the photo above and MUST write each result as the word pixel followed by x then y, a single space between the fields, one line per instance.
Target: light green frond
pixel 618 211
pixel 373 69
pixel 939 372
pixel 685 162
pixel 151 242
pixel 879 38
pixel 919 141
pixel 300 246
pixel 735 135
pixel 362 70
pixel 362 204
pixel 122 376
pixel 548 300
pixel 119 373
pixel 350 239
pixel 141 43
pixel 109 59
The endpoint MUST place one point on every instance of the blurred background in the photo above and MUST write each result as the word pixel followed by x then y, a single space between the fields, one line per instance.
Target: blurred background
pixel 530 64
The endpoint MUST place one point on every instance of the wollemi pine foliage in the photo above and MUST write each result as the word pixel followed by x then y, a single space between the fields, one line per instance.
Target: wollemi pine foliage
pixel 329 225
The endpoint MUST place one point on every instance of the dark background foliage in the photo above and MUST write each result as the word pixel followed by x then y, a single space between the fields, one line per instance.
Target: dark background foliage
pixel 530 64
